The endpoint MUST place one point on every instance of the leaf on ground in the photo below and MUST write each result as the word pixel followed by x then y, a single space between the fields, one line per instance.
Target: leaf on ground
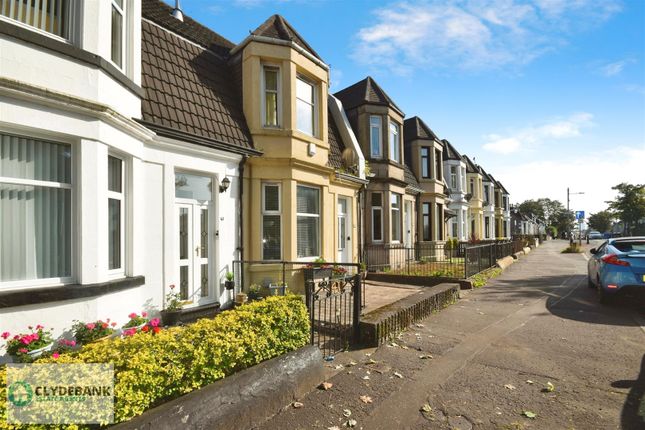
pixel 366 399
pixel 426 408
pixel 347 413
pixel 509 386
pixel 398 375
pixel 549 387
pixel 370 361
pixel 419 325
pixel 404 347
pixel 529 414
pixel 333 428
pixel 338 366
pixel 392 345
pixel 366 377
pixel 368 354
pixel 351 423
pixel 297 405
pixel 325 386
pixel 528 381
pixel 351 363
pixel 425 356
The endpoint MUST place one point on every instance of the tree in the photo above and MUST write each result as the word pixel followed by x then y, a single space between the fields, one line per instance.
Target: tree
pixel 563 220
pixel 629 205
pixel 601 221
pixel 543 208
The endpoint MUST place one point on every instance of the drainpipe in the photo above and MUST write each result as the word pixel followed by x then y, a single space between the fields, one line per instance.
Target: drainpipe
pixel 240 248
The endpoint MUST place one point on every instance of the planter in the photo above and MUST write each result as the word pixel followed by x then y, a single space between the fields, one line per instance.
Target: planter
pixel 229 285
pixel 312 273
pixel 241 298
pixel 136 327
pixel 38 352
pixel 171 317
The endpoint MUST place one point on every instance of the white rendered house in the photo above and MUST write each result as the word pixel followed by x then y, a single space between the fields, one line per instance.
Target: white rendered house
pixel 488 205
pixel 115 182
pixel 454 170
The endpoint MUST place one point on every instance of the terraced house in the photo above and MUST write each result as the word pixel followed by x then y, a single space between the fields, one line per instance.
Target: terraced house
pixel 476 201
pixel 130 140
pixel 455 177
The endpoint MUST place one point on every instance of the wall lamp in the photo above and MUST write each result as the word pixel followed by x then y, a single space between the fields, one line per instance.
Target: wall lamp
pixel 226 182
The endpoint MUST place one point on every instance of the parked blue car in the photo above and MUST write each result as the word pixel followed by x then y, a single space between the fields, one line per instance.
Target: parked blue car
pixel 618 265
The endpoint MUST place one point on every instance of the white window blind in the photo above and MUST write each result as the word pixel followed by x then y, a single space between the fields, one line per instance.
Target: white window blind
pixel 308 221
pixel 271 222
pixel 52 16
pixel 376 137
pixel 116 213
pixel 35 209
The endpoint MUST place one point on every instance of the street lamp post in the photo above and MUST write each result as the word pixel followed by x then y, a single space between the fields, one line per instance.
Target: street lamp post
pixel 569 193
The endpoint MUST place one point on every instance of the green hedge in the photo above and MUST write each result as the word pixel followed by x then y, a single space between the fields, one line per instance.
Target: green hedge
pixel 151 369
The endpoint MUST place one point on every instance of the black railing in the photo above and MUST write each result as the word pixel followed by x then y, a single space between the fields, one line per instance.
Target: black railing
pixel 482 257
pixel 421 259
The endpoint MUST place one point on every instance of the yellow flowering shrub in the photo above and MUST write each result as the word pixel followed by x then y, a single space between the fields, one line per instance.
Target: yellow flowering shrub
pixel 150 369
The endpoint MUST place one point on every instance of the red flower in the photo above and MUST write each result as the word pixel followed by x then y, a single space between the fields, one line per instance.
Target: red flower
pixel 39 327
pixel 23 350
pixel 55 355
pixel 144 314
pixel 5 335
pixel 113 323
pixel 145 328
pixel 172 287
pixel 90 326
pixel 132 316
pixel 104 325
pixel 156 329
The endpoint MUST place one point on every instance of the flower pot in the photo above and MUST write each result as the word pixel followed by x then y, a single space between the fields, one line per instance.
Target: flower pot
pixel 38 352
pixel 229 285
pixel 137 328
pixel 169 318
pixel 241 298
pixel 312 273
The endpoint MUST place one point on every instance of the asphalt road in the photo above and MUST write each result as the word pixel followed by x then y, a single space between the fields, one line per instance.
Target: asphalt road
pixel 494 354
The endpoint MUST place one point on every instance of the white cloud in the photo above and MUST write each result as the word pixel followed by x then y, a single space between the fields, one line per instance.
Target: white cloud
pixel 593 173
pixel 615 68
pixel 472 34
pixel 634 88
pixel 567 128
pixel 335 80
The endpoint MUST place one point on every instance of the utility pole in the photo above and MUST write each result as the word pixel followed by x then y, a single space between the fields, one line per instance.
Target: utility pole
pixel 569 193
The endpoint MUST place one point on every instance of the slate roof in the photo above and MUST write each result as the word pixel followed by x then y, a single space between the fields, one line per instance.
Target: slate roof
pixel 484 174
pixel 336 145
pixel 363 92
pixel 411 180
pixel 414 128
pixel 470 165
pixel 449 151
pixel 189 87
pixel 276 27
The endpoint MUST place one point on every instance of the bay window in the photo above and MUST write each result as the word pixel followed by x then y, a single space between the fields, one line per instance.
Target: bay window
pixel 395 208
pixel 376 137
pixel 308 221
pixel 116 213
pixel 271 94
pixel 52 16
pixel 36 209
pixel 426 221
pixel 437 165
pixel 395 143
pixel 305 106
pixel 271 222
pixel 118 28
pixel 377 217
pixel 453 178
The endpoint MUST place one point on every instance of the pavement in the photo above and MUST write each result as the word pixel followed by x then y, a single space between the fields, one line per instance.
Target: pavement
pixel 531 350
pixel 379 294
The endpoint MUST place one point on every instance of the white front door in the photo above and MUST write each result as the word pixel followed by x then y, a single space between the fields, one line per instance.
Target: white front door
pixel 344 230
pixel 195 239
pixel 408 224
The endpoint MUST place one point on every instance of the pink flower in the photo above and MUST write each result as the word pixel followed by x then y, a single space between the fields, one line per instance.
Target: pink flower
pixel 55 355
pixel 72 343
pixel 154 322
pixel 132 316
pixel 113 323
pixel 25 340
pixel 90 326
pixel 129 332
pixel 39 327
pixel 23 350
pixel 5 335
pixel 35 336
pixel 144 314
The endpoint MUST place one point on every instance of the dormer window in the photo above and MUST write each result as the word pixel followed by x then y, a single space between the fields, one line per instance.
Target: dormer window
pixel 271 95
pixel 305 106
pixel 52 16
pixel 376 137
pixel 395 144
pixel 118 39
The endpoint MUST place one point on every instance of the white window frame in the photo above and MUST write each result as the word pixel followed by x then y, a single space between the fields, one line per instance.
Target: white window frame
pixel 314 106
pixel 392 209
pixel 124 32
pixel 278 92
pixel 58 281
pixel 122 197
pixel 392 144
pixel 378 155
pixel 72 21
pixel 380 210
pixel 308 215
pixel 272 213
pixel 454 183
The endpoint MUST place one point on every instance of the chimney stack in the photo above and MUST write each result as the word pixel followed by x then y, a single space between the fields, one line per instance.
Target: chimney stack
pixel 176 12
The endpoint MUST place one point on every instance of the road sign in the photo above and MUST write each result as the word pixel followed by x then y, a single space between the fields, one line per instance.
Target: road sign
pixel 580 215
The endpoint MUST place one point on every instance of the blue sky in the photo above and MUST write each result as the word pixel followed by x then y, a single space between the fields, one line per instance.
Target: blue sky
pixel 544 94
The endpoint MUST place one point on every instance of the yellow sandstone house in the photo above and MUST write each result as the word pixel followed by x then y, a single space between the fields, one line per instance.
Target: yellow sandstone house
pixel 301 198
pixel 476 202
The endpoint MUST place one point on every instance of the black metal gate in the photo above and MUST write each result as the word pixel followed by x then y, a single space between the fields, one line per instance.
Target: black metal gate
pixel 334 309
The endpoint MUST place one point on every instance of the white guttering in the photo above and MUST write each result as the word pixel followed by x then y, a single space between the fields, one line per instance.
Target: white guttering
pixel 272 41
pixel 346 132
